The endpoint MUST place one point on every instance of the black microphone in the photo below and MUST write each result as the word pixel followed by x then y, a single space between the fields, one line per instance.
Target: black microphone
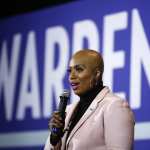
pixel 64 97
pixel 57 133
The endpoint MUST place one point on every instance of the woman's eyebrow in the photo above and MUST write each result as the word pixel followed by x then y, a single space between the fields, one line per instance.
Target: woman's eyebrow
pixel 80 65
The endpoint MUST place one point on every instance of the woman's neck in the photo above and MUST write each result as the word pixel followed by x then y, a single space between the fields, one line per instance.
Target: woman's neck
pixel 90 95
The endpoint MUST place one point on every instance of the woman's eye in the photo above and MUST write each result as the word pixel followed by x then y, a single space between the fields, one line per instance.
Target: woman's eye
pixel 79 69
pixel 75 69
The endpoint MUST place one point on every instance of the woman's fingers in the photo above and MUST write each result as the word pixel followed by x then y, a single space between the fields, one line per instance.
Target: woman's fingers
pixel 56 121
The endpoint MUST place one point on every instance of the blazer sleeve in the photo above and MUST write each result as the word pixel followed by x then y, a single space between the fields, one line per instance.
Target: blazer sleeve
pixel 48 146
pixel 119 126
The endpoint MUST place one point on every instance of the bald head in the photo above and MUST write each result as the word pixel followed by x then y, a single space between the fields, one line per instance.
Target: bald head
pixel 92 57
pixel 85 71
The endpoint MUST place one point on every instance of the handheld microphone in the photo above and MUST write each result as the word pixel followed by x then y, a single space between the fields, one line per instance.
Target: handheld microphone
pixel 57 133
pixel 64 97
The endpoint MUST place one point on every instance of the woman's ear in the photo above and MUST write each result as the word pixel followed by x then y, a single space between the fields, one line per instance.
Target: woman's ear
pixel 98 74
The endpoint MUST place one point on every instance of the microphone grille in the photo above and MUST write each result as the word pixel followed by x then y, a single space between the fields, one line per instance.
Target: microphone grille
pixel 66 93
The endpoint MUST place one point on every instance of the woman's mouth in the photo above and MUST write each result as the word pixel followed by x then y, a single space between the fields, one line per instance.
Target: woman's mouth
pixel 75 86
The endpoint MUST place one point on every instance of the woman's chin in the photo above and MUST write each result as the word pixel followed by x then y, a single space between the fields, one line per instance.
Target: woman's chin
pixel 77 92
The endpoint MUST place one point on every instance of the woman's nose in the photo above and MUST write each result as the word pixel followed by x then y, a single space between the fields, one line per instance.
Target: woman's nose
pixel 72 75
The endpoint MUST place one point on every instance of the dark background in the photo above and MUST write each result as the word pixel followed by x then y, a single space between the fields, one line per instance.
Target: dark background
pixel 10 8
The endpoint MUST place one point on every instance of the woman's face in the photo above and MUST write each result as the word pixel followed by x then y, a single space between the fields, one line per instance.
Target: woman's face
pixel 81 75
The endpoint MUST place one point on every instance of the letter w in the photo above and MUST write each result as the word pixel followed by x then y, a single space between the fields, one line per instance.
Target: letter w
pixel 8 74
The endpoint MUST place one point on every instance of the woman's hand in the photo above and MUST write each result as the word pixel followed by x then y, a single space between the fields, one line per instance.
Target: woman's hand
pixel 56 121
pixel 56 126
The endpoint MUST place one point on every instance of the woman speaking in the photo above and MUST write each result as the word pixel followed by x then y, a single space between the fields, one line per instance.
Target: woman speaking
pixel 100 120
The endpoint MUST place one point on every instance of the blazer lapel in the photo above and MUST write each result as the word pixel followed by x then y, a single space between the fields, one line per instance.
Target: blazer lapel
pixel 88 112
pixel 69 115
pixel 67 120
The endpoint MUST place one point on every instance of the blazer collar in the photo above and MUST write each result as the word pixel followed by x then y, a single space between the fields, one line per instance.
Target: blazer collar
pixel 88 112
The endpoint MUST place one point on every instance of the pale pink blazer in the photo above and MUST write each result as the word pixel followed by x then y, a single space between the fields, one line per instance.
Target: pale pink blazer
pixel 108 124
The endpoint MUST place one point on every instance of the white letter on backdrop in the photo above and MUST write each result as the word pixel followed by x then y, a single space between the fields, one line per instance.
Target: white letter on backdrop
pixel 53 77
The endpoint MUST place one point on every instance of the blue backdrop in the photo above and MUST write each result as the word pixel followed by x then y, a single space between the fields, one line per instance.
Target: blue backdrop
pixel 34 52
